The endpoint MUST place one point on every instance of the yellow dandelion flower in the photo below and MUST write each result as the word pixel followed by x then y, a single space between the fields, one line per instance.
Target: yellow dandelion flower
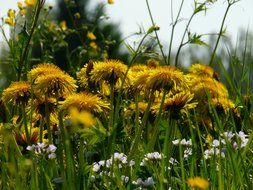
pixel 82 77
pixel 93 45
pixel 20 5
pixel 17 92
pixel 110 2
pixel 142 106
pixel 43 69
pixel 22 12
pixel 201 86
pixel 85 101
pixel 11 13
pixel 91 36
pixel 198 182
pixel 22 139
pixel 138 68
pixel 110 71
pixel 81 117
pixel 63 25
pixel 39 105
pixel 223 104
pixel 176 103
pixel 10 21
pixel 152 63
pixel 166 77
pixel 137 81
pixel 55 85
pixel 30 3
pixel 201 70
pixel 84 74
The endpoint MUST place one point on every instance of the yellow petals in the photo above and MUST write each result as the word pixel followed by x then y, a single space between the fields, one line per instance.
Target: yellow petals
pixel 11 13
pixel 91 36
pixel 10 21
pixel 110 1
pixel 63 25
pixel 94 45
pixel 77 15
pixel 20 5
pixel 30 3
pixel 22 12
pixel 17 92
pixel 85 102
pixel 81 117
pixel 198 182
pixel 109 71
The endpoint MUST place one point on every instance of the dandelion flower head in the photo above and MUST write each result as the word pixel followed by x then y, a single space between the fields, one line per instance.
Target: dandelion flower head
pixel 198 182
pixel 17 92
pixel 109 70
pixel 85 101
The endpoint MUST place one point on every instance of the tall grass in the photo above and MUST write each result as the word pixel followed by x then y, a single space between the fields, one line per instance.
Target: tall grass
pixel 127 125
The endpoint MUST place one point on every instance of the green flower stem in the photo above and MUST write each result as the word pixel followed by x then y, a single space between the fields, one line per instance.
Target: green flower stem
pixel 38 8
pixel 27 134
pixel 137 138
pixel 157 38
pixel 219 36
pixel 173 27
pixel 156 129
pixel 49 132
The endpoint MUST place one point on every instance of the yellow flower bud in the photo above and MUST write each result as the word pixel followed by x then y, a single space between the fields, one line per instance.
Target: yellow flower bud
pixel 63 25
pixel 11 13
pixel 10 21
pixel 110 1
pixel 91 36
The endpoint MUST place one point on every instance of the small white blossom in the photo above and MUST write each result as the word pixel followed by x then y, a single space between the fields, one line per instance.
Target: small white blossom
pixel 51 148
pixel 216 143
pixel 124 179
pixel 96 167
pixel 52 156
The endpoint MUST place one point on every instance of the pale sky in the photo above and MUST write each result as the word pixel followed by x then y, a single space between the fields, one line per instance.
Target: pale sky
pixel 130 14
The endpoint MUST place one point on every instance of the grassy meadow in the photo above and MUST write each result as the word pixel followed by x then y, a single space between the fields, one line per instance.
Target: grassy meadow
pixel 107 123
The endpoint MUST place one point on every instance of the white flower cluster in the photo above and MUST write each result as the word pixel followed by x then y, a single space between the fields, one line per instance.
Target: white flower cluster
pixel 144 183
pixel 218 146
pixel 117 158
pixel 182 142
pixel 43 149
pixel 103 168
pixel 154 156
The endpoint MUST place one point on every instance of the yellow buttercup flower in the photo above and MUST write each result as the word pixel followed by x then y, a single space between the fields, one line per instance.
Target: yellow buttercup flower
pixel 17 93
pixel 198 182
pixel 85 101
pixel 91 36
